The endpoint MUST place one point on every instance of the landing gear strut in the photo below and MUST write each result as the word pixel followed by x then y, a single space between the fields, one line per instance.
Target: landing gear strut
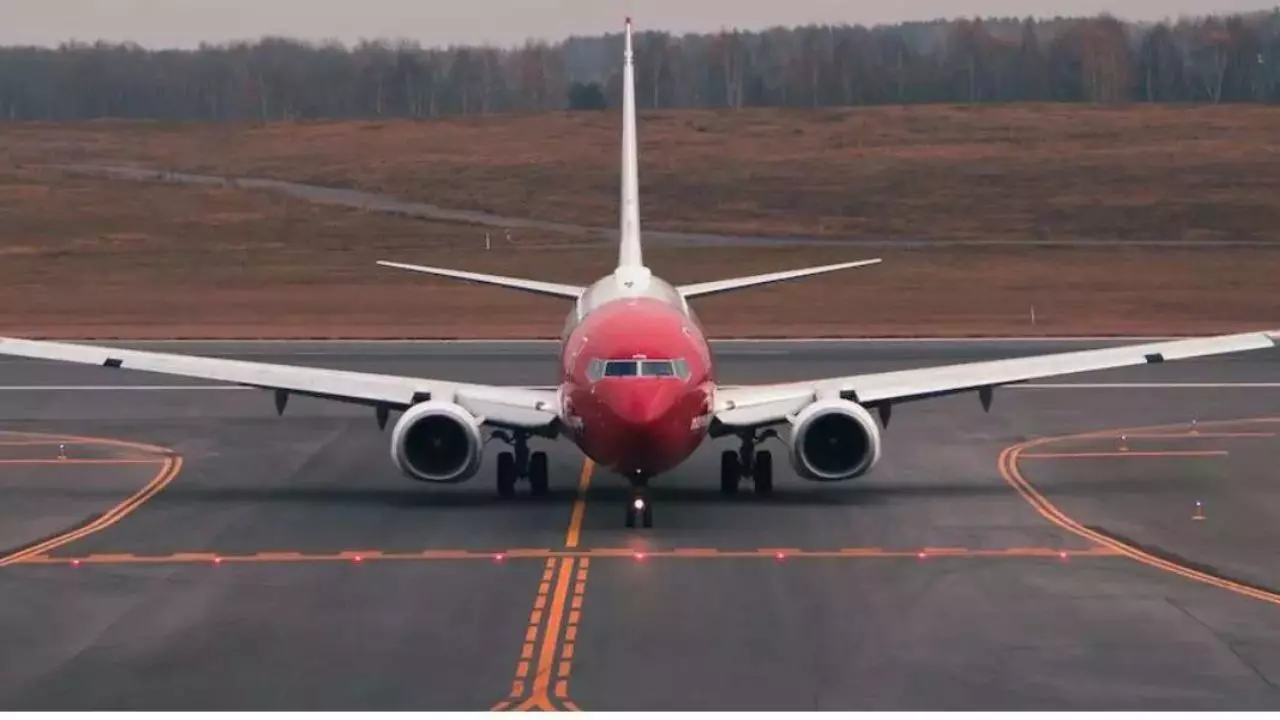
pixel 520 464
pixel 638 505
pixel 748 464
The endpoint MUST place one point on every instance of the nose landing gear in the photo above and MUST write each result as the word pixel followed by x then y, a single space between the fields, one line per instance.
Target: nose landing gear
pixel 639 508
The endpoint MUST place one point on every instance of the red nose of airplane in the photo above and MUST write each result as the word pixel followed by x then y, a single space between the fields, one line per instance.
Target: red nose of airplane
pixel 641 402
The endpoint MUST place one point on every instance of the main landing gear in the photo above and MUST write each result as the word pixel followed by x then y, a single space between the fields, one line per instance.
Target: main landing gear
pixel 639 509
pixel 748 464
pixel 520 464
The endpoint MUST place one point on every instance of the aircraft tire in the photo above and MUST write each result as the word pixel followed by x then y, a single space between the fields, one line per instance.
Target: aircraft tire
pixel 506 474
pixel 763 473
pixel 539 474
pixel 730 472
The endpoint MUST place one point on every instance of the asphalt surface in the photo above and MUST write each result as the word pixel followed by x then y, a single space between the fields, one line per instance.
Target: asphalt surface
pixel 289 566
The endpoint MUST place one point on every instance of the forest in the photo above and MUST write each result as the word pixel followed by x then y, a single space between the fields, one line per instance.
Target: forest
pixel 1099 60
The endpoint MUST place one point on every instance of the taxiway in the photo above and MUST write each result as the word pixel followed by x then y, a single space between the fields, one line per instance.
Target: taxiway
pixel 986 563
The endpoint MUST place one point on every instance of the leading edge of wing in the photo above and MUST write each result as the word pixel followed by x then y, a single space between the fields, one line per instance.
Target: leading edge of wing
pixel 757 403
pixel 518 406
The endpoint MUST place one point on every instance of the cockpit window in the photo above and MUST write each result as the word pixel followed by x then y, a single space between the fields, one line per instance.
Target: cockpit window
pixel 620 368
pixel 638 368
pixel 657 368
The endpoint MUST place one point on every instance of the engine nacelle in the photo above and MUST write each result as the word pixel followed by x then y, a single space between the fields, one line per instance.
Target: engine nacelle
pixel 834 440
pixel 437 442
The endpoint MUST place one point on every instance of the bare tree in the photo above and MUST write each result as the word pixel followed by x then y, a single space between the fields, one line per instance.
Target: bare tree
pixel 1215 59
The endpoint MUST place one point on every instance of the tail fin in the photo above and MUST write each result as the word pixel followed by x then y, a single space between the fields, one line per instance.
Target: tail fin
pixel 629 252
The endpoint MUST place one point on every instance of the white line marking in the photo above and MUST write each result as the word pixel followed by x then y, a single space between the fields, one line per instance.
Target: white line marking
pixel 1145 386
pixel 113 388
pixel 516 341
pixel 1029 386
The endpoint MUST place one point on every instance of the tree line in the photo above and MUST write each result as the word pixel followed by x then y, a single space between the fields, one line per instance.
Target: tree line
pixel 1215 59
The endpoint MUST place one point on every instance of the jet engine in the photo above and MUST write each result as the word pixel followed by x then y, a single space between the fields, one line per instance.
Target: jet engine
pixel 437 442
pixel 834 440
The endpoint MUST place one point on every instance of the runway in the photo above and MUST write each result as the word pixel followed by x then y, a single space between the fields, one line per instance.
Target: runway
pixel 990 562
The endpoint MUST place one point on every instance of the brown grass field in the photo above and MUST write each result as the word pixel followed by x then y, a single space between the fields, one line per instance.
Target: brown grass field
pixel 85 257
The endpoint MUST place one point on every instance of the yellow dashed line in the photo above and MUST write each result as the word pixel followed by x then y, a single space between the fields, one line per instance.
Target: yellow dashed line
pixel 531 634
pixel 571 629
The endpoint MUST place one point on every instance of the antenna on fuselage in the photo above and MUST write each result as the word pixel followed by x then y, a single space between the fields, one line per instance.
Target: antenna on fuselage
pixel 629 253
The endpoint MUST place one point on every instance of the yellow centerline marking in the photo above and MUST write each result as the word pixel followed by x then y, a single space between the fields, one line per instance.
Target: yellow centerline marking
pixel 172 465
pixel 579 505
pixel 30 443
pixel 546 639
pixel 1191 434
pixel 1009 470
pixel 530 638
pixel 1123 453
pixel 81 461
pixel 541 691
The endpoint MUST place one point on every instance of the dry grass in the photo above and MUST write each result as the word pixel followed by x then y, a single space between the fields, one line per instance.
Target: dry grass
pixel 1010 172
pixel 82 257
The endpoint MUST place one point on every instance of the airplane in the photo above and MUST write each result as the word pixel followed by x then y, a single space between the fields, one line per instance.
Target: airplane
pixel 638 391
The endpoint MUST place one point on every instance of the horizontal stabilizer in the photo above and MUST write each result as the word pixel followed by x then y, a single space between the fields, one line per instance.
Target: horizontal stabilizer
pixel 719 286
pixel 533 286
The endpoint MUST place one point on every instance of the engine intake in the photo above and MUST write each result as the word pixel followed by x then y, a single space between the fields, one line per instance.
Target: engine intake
pixel 437 442
pixel 834 440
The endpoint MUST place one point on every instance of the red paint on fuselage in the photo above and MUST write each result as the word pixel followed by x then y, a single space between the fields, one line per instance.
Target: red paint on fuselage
pixel 637 426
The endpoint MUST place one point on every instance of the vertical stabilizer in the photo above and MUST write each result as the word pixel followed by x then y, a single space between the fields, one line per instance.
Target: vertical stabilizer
pixel 629 254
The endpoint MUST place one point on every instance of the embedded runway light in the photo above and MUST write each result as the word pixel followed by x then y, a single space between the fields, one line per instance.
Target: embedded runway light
pixel 75 563
pixel 780 556
pixel 499 557
pixel 639 556
pixel 358 558
pixel 1062 555
pixel 922 555
pixel 217 561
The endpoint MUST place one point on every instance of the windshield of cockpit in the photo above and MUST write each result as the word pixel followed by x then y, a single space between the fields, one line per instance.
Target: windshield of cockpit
pixel 638 368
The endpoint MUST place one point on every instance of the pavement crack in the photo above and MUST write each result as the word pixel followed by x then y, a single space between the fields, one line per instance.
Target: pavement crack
pixel 1229 645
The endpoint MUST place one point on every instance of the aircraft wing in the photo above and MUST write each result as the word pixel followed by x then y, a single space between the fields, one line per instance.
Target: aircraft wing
pixel 759 405
pixel 523 407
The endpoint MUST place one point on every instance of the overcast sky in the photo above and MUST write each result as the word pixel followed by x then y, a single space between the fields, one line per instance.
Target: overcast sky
pixel 185 23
